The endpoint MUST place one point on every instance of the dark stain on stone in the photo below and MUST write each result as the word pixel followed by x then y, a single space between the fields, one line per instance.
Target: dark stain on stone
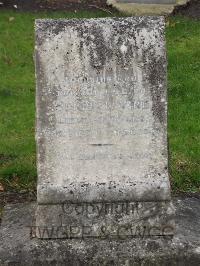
pixel 157 76
pixel 102 49
pixel 99 51
pixel 45 98
pixel 155 68
pixel 100 145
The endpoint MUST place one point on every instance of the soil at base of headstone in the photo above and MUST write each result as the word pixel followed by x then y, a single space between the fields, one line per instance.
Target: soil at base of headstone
pixel 191 9
pixel 67 5
pixel 15 197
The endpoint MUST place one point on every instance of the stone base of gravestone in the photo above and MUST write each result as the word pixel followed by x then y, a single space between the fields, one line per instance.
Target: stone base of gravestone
pixel 18 245
pixel 110 220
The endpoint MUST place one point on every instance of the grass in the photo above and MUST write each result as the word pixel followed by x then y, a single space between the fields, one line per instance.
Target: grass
pixel 17 99
pixel 183 43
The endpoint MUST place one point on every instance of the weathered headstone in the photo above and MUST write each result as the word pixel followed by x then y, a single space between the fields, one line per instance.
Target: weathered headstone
pixel 102 128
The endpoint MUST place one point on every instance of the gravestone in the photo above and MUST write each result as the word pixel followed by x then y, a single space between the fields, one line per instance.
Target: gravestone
pixel 146 7
pixel 159 2
pixel 102 128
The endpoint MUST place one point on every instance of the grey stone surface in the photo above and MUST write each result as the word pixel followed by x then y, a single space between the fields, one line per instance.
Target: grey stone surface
pixel 145 9
pixel 102 127
pixel 161 2
pixel 109 220
pixel 101 110
pixel 17 248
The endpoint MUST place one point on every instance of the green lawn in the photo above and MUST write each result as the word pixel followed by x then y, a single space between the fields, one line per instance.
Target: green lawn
pixel 183 43
pixel 17 99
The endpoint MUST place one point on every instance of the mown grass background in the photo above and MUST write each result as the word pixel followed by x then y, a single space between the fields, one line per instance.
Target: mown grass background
pixel 183 47
pixel 17 99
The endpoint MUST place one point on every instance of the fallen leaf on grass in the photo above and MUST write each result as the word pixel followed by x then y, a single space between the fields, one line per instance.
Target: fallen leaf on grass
pixel 11 19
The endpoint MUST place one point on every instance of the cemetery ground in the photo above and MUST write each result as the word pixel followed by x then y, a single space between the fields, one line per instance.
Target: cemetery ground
pixel 17 99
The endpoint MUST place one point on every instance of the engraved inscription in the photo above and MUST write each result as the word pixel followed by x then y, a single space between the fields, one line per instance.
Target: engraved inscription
pixel 101 94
